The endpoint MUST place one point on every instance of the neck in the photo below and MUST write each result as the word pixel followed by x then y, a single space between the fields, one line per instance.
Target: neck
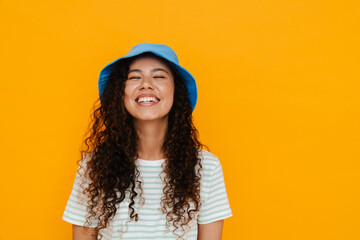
pixel 151 138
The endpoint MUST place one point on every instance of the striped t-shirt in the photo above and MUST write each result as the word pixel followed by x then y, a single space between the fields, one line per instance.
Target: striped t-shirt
pixel 151 222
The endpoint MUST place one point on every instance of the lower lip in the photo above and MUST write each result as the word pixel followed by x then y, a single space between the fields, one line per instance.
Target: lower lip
pixel 146 104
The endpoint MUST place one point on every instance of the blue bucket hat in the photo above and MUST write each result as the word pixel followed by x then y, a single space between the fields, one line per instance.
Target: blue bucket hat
pixel 162 51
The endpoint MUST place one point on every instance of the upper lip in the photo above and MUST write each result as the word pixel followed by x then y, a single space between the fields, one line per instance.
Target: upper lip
pixel 147 95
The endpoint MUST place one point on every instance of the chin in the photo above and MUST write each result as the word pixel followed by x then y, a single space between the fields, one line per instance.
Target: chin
pixel 149 114
pixel 149 117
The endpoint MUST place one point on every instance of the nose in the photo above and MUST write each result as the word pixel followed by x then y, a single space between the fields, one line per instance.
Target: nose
pixel 146 83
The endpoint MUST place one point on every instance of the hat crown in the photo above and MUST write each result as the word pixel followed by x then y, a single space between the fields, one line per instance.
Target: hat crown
pixel 161 50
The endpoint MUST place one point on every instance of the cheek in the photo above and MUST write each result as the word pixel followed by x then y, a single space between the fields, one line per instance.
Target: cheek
pixel 169 90
pixel 172 92
pixel 127 94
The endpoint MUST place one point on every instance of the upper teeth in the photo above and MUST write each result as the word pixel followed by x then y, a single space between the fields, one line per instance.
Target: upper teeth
pixel 147 99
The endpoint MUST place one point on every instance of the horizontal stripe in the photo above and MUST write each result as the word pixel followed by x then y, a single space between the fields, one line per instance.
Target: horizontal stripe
pixel 154 234
pixel 71 211
pixel 151 237
pixel 217 218
pixel 77 221
pixel 73 206
pixel 216 199
pixel 214 211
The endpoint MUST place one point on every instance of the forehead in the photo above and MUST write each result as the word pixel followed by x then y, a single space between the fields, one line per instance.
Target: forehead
pixel 149 61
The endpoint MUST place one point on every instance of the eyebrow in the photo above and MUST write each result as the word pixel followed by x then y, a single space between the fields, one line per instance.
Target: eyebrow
pixel 153 70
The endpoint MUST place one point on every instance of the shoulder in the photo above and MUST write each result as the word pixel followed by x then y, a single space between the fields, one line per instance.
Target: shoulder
pixel 209 161
pixel 211 172
pixel 82 174
pixel 85 159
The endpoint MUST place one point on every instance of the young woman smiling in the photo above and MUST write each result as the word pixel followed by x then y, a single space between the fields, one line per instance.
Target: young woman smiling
pixel 144 174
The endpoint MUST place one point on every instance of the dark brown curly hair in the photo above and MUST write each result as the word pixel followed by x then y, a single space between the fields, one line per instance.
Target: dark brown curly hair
pixel 112 141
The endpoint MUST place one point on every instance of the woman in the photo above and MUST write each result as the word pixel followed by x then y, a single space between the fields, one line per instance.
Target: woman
pixel 144 174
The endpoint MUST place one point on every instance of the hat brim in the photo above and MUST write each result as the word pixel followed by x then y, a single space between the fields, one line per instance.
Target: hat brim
pixel 184 74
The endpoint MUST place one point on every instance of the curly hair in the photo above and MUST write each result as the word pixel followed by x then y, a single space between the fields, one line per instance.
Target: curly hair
pixel 112 142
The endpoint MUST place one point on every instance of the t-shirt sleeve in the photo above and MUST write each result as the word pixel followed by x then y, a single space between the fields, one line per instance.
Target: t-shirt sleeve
pixel 216 206
pixel 75 210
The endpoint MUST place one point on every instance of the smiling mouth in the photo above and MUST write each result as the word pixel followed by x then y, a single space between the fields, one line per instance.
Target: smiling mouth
pixel 147 100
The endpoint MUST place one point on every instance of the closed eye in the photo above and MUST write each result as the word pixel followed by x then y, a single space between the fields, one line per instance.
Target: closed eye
pixel 134 78
pixel 159 77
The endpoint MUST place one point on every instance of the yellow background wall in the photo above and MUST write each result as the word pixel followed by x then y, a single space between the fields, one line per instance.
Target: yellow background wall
pixel 278 104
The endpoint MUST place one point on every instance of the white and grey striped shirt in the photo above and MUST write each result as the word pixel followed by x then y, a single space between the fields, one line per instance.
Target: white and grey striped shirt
pixel 152 223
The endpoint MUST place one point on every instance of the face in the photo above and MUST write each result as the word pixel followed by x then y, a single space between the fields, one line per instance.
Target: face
pixel 149 89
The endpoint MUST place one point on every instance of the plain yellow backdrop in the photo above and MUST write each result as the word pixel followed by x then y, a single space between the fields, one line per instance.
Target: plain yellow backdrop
pixel 278 103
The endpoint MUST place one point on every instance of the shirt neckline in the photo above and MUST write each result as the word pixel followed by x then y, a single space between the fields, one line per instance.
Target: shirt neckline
pixel 150 162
